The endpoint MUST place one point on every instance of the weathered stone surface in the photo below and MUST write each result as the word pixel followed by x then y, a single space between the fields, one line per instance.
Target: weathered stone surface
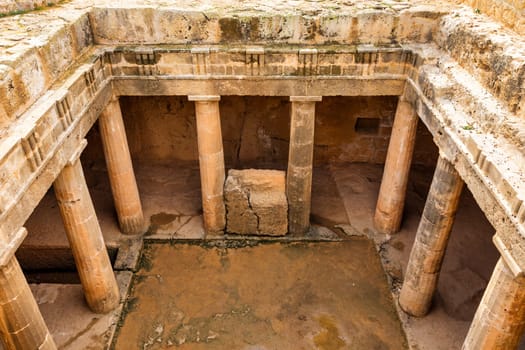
pixel 500 318
pixel 468 87
pixel 256 202
pixel 14 6
pixel 431 240
pixel 22 325
pixel 211 162
pixel 508 12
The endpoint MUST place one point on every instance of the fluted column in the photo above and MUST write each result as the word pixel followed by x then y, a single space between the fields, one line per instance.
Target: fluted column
pixel 431 240
pixel 21 324
pixel 499 321
pixel 211 162
pixel 300 163
pixel 391 199
pixel 85 238
pixel 120 169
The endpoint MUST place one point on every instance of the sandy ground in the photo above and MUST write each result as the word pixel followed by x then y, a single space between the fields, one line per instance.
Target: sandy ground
pixel 343 200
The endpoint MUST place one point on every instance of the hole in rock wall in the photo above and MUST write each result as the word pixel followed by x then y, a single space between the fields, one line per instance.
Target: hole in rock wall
pixel 369 126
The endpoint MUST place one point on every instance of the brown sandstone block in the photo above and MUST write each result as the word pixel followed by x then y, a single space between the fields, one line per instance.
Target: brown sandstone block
pixel 256 202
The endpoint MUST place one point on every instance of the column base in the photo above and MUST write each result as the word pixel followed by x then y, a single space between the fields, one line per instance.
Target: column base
pixel 384 224
pixel 132 225
pixel 410 302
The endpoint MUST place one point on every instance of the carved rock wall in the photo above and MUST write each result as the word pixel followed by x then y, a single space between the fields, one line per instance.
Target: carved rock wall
pixel 256 131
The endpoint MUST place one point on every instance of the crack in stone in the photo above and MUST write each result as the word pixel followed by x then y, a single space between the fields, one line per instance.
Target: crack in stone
pixel 253 211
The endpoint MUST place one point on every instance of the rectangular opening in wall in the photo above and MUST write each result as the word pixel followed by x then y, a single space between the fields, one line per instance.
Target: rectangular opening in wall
pixel 368 126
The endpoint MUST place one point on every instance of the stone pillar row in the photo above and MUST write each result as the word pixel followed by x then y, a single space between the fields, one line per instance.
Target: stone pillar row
pixel 21 324
pixel 499 321
pixel 211 162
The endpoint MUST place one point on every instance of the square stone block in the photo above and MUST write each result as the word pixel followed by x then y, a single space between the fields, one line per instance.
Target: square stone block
pixel 256 202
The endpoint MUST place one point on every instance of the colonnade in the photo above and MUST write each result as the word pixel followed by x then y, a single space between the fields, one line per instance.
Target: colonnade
pixel 21 323
pixel 212 169
pixel 499 321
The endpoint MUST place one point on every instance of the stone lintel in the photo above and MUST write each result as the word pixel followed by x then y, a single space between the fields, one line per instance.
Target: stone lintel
pixel 391 85
pixel 306 98
pixel 513 254
pixel 255 50
pixel 144 50
pixel 76 154
pixel 307 51
pixel 8 249
pixel 200 50
pixel 204 98
pixel 114 97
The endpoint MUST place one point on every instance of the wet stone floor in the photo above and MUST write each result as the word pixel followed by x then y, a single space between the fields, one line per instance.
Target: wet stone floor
pixel 278 295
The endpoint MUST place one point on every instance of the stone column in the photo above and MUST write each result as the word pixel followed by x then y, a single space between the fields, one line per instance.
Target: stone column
pixel 21 324
pixel 211 162
pixel 431 240
pixel 85 238
pixel 499 321
pixel 391 199
pixel 300 160
pixel 120 169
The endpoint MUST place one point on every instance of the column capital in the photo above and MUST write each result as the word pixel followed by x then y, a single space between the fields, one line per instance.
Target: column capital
pixel 7 250
pixel 508 250
pixel 306 98
pixel 198 98
pixel 114 98
pixel 77 152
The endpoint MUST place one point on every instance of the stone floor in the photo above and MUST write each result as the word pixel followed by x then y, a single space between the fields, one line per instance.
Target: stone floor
pixel 343 201
pixel 326 295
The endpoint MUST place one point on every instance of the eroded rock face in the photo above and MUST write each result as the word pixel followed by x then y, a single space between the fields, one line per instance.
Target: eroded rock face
pixel 256 202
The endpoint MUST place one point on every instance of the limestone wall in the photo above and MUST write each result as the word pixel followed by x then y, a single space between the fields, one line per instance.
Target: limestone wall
pixel 8 7
pixel 493 56
pixel 290 23
pixel 256 131
pixel 30 65
pixel 509 12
